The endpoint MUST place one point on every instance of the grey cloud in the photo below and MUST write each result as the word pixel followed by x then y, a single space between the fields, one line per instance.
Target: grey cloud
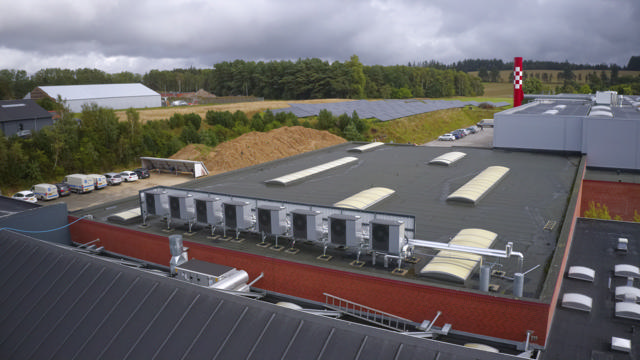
pixel 143 35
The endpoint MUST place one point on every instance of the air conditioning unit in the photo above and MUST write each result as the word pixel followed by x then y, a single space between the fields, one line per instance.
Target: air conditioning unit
pixel 386 236
pixel 179 206
pixel 236 214
pixel 344 230
pixel 153 203
pixel 208 211
pixel 271 220
pixel 306 224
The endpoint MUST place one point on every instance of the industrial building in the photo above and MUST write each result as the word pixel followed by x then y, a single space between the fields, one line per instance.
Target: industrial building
pixel 483 248
pixel 606 127
pixel 21 117
pixel 113 96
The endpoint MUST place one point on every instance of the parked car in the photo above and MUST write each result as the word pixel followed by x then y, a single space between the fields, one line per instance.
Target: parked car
pixel 45 191
pixel 473 129
pixel 79 183
pixel 457 134
pixel 26 195
pixel 446 137
pixel 129 176
pixel 142 173
pixel 63 189
pixel 113 178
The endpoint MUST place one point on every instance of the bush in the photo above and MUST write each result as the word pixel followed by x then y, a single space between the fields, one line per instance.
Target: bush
pixel 193 119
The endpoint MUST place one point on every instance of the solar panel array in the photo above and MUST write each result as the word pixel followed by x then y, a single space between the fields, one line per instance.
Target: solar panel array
pixel 383 110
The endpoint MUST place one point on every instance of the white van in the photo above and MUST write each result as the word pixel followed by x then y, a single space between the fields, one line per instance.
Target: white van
pixel 45 191
pixel 99 181
pixel 79 183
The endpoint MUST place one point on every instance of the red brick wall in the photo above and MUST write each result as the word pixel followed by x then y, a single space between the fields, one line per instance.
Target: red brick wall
pixel 621 198
pixel 476 313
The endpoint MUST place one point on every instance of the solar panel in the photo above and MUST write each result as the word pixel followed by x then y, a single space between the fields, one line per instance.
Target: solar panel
pixel 383 110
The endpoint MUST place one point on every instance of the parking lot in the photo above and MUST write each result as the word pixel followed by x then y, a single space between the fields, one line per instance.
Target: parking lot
pixel 483 138
pixel 110 193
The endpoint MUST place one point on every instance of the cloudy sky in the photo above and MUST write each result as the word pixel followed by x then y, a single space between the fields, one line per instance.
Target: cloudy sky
pixel 140 35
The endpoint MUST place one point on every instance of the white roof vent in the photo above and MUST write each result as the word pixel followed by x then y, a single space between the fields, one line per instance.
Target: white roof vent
pixel 550 112
pixel 623 244
pixel 627 293
pixel 582 273
pixel 620 344
pixel 577 302
pixel 626 270
pixel 601 107
pixel 628 310
pixel 602 113
pixel 560 107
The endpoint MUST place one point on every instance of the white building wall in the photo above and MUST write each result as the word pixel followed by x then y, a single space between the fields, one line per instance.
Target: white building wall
pixel 117 103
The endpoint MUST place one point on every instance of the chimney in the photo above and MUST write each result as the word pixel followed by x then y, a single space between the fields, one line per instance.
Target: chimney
pixel 518 94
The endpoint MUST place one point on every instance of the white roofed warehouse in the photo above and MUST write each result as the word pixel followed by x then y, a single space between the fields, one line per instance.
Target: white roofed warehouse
pixel 114 96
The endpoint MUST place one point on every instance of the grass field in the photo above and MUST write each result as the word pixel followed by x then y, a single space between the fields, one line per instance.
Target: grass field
pixel 422 128
pixel 581 75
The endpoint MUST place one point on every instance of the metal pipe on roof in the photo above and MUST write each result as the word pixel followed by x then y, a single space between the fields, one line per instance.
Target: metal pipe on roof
pixel 505 254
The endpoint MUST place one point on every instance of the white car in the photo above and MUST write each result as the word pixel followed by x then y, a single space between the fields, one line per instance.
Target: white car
pixel 113 178
pixel 26 195
pixel 129 176
pixel 447 137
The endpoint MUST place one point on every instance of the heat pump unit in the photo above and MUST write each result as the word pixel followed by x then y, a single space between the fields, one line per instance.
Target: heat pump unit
pixel 237 214
pixel 271 220
pixel 344 230
pixel 386 236
pixel 153 202
pixel 179 206
pixel 306 224
pixel 206 211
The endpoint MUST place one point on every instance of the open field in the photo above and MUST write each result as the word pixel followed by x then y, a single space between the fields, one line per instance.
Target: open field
pixel 581 75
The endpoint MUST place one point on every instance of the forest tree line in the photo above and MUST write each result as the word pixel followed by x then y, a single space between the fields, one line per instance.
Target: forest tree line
pixel 274 80
pixel 302 79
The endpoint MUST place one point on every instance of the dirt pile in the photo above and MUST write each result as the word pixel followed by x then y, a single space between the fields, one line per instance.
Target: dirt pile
pixel 256 148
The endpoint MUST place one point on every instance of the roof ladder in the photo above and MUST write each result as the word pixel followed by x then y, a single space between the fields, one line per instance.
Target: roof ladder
pixel 366 313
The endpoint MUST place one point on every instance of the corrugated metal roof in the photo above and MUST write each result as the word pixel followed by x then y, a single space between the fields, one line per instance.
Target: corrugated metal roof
pixel 101 91
pixel 66 305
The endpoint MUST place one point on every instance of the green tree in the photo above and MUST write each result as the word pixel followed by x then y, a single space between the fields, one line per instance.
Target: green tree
pixel 193 119
pixel 532 85
pixel 357 80
pixel 585 89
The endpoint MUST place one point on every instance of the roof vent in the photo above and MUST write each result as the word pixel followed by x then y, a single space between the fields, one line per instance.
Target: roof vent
pixel 13 105
pixel 620 344
pixel 550 112
pixel 628 310
pixel 623 245
pixel 582 273
pixel 577 302
pixel 626 270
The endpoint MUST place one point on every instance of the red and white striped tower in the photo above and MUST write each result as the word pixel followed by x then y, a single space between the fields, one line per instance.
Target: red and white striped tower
pixel 518 93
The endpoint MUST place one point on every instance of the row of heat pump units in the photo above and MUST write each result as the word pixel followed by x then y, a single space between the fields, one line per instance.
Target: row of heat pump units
pixel 341 230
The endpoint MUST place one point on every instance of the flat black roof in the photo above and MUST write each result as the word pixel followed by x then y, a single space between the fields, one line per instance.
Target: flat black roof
pixel 580 335
pixel 527 207
pixel 61 304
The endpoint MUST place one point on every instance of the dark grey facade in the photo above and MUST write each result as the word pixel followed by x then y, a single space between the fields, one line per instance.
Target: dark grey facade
pixel 22 115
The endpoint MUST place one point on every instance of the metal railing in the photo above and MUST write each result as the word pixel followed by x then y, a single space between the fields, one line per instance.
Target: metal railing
pixel 366 313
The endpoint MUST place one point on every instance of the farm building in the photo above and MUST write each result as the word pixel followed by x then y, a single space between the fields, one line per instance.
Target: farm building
pixel 20 117
pixel 114 96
